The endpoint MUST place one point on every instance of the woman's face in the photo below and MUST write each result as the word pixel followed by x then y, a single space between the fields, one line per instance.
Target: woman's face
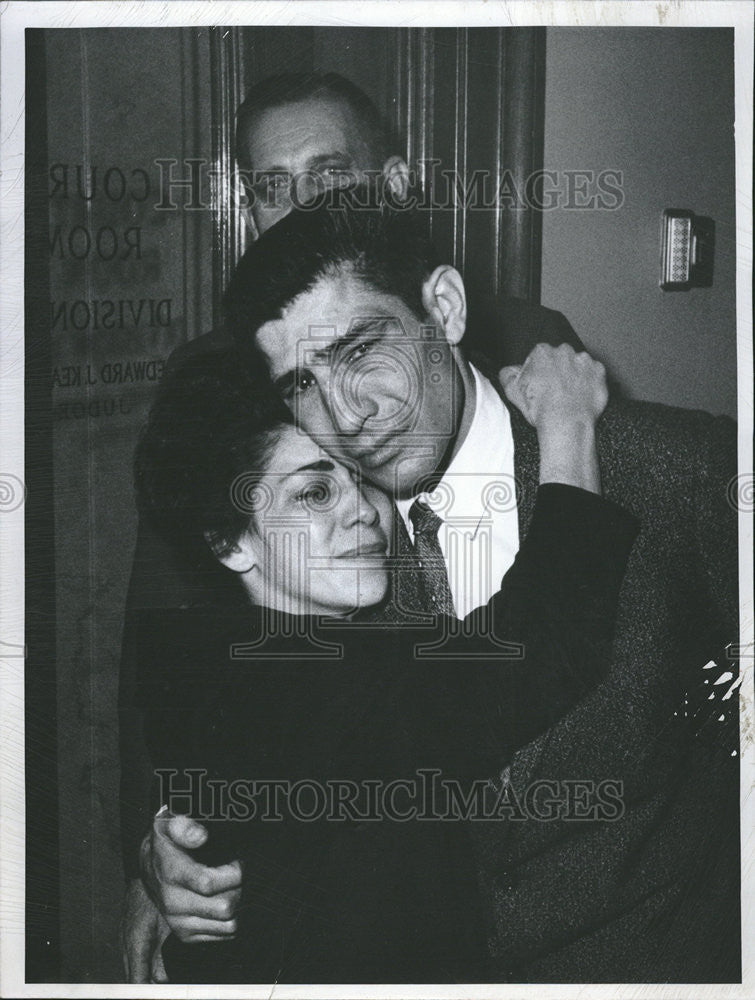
pixel 319 542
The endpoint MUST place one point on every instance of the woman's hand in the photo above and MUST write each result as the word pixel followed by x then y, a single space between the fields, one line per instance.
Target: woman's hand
pixel 555 385
pixel 562 394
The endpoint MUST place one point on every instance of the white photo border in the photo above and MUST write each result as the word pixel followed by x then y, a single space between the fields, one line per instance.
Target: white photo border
pixel 15 17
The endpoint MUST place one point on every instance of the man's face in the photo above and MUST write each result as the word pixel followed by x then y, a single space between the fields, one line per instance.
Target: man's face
pixel 367 379
pixel 298 150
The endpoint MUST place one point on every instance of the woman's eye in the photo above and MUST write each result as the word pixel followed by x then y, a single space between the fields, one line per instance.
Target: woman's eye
pixel 304 381
pixel 314 495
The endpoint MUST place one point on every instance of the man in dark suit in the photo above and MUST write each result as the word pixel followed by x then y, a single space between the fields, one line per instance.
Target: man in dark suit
pixel 361 317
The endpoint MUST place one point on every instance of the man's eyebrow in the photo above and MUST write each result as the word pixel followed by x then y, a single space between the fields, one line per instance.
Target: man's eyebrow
pixel 357 330
pixel 321 158
pixel 269 172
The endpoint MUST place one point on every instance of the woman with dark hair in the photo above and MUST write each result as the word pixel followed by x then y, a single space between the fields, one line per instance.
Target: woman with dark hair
pixel 354 870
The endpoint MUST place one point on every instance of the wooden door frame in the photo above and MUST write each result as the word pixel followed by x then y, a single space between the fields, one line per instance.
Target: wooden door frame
pixel 519 57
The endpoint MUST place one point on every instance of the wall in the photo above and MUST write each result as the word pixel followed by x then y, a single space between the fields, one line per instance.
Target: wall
pixel 656 104
pixel 128 284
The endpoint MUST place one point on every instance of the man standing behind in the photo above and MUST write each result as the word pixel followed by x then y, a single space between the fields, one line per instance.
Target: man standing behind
pixel 299 135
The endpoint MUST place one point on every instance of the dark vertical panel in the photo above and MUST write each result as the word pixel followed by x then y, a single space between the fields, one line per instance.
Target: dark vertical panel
pixel 523 112
pixel 497 234
pixel 461 146
pixel 443 142
pixel 42 855
pixel 480 178
pixel 425 106
pixel 196 100
pixel 227 90
pixel 400 44
pixel 362 55
pixel 487 133
pixel 277 50
pixel 412 85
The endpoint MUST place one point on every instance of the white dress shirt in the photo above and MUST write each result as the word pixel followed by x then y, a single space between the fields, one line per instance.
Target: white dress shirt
pixel 476 498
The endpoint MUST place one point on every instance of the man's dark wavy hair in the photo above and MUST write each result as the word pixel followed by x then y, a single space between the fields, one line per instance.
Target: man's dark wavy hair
pixel 384 246
pixel 213 420
pixel 290 88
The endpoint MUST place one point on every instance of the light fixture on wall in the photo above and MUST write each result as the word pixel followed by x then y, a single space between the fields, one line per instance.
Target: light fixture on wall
pixel 687 242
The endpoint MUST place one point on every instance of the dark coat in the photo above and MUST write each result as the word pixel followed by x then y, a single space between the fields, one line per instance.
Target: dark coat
pixel 654 895
pixel 342 900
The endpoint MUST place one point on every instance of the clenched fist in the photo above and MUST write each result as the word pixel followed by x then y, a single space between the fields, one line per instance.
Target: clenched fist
pixel 555 385
pixel 562 394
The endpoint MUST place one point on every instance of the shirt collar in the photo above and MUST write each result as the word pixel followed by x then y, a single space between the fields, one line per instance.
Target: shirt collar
pixel 482 454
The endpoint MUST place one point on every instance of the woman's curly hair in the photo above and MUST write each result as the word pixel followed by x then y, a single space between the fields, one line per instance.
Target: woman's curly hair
pixel 216 418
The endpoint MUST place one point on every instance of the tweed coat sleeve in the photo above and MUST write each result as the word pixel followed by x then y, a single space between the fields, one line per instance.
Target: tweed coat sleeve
pixel 653 897
pixel 716 517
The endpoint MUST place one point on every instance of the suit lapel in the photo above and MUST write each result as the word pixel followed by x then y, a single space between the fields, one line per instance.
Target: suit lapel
pixel 526 467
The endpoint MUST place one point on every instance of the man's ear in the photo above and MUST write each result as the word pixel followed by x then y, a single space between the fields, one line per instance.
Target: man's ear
pixel 238 557
pixel 445 300
pixel 396 173
pixel 251 225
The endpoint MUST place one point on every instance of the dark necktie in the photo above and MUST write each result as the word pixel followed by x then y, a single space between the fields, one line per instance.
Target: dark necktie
pixel 427 547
